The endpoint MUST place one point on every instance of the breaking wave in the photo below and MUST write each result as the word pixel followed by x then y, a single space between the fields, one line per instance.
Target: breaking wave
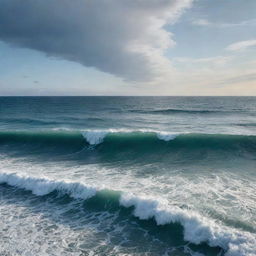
pixel 196 228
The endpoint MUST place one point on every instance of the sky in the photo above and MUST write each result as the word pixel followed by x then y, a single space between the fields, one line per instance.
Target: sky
pixel 128 47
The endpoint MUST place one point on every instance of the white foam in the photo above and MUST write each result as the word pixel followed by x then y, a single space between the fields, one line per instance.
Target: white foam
pixel 44 186
pixel 94 137
pixel 166 136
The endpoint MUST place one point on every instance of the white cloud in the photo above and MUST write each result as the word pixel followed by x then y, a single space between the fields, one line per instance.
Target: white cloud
pixel 205 22
pixel 121 37
pixel 242 45
pixel 201 22
pixel 217 60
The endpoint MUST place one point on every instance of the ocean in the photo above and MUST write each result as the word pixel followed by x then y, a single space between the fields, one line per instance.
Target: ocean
pixel 128 176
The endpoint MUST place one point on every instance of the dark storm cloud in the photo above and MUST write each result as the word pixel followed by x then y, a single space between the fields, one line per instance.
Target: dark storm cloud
pixel 122 37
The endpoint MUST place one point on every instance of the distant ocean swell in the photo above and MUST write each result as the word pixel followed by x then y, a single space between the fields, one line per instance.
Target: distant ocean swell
pixel 176 111
pixel 168 111
pixel 123 140
pixel 196 228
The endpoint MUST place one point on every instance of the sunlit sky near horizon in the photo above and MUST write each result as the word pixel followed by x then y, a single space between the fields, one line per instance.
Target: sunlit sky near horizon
pixel 121 47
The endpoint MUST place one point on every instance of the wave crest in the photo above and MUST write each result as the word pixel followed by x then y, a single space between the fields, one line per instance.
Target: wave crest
pixel 97 136
pixel 44 186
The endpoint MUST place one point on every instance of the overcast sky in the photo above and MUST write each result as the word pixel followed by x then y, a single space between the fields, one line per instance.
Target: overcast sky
pixel 127 47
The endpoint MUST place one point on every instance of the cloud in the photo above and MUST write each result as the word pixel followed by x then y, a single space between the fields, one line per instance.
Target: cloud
pixel 240 78
pixel 205 22
pixel 201 22
pixel 242 45
pixel 217 60
pixel 121 37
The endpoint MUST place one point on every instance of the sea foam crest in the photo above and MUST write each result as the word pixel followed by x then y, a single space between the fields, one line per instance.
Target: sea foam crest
pixel 197 229
pixel 166 136
pixel 95 137
pixel 44 186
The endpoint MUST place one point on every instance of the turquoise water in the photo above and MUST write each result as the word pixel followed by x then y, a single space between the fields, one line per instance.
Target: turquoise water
pixel 127 176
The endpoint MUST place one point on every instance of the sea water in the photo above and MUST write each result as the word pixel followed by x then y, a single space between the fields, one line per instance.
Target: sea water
pixel 128 176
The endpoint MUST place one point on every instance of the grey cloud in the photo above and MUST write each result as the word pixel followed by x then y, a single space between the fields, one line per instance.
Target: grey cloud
pixel 122 37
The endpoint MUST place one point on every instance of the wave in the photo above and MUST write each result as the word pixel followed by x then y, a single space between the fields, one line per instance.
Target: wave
pixel 29 121
pixel 43 186
pixel 247 124
pixel 197 228
pixel 178 111
pixel 95 137
pixel 92 137
pixel 113 143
